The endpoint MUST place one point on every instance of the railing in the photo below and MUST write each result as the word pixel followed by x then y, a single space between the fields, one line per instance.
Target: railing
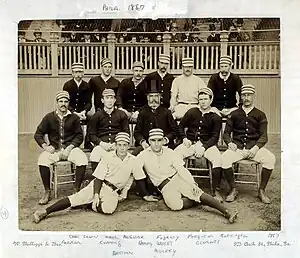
pixel 56 58
pixel 35 58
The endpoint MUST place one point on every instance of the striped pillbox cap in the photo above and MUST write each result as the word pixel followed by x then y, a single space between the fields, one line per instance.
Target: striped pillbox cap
pixel 77 67
pixel 122 136
pixel 105 61
pixel 225 60
pixel 187 61
pixel 62 94
pixel 250 89
pixel 156 133
pixel 163 58
pixel 108 92
pixel 206 90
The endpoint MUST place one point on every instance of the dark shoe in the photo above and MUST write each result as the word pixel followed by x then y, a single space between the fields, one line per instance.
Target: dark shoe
pixel 46 198
pixel 231 216
pixel 232 195
pixel 261 195
pixel 39 215
pixel 218 196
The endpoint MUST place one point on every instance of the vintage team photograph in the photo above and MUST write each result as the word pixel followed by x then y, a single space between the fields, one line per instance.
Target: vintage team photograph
pixel 149 125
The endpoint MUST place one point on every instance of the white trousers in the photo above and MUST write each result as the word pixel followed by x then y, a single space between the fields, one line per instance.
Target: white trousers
pixel 175 189
pixel 76 156
pixel 212 154
pixel 108 197
pixel 181 109
pixel 263 156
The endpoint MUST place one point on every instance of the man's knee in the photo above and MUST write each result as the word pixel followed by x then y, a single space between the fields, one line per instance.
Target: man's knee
pixel 107 208
pixel 78 157
pixel 226 161
pixel 174 205
pixel 269 160
pixel 96 154
pixel 44 159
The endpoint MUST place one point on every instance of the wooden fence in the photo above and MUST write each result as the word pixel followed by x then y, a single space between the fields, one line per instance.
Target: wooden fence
pixel 56 58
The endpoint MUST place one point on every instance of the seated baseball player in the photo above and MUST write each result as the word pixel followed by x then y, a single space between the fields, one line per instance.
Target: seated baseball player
pixel 246 135
pixel 132 92
pixel 200 128
pixel 65 136
pixel 104 126
pixel 167 172
pixel 185 90
pixel 154 115
pixel 113 178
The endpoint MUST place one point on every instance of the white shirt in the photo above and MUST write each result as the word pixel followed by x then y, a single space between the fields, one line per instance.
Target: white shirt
pixel 160 167
pixel 117 171
pixel 247 110
pixel 186 89
pixel 60 116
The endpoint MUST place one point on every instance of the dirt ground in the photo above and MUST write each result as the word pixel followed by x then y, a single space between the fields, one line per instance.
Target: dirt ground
pixel 134 214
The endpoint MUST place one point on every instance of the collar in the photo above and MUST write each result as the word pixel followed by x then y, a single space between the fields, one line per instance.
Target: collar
pixel 108 113
pixel 135 83
pixel 224 78
pixel 162 75
pixel 78 83
pixel 61 117
pixel 104 78
pixel 207 111
pixel 116 156
pixel 247 110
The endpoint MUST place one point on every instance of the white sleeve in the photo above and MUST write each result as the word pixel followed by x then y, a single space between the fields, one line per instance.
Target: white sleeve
pixel 138 171
pixel 127 187
pixel 174 92
pixel 101 170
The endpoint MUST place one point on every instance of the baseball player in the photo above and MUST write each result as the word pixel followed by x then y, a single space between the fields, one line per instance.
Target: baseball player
pixel 65 136
pixel 113 178
pixel 103 81
pixel 104 126
pixel 80 93
pixel 167 172
pixel 248 127
pixel 132 92
pixel 225 86
pixel 200 128
pixel 154 115
pixel 185 90
pixel 163 78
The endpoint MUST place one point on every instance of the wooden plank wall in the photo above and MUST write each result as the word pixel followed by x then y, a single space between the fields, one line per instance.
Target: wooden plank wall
pixel 36 96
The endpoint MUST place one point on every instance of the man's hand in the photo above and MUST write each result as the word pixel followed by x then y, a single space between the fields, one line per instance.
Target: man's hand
pixel 187 143
pixel 145 145
pixel 112 147
pixel 150 198
pixel 49 148
pixel 83 115
pixel 96 202
pixel 232 146
pixel 121 198
pixel 245 153
pixel 172 108
pixel 253 151
pixel 199 152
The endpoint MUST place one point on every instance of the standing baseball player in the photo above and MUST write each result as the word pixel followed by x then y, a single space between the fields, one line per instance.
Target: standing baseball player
pixel 113 179
pixel 248 127
pixel 103 81
pixel 154 115
pixel 80 93
pixel 65 136
pixel 132 92
pixel 163 78
pixel 167 172
pixel 185 90
pixel 225 86
pixel 200 128
pixel 104 126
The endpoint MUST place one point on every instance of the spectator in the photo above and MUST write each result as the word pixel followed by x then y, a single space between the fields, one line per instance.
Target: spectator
pixel 213 37
pixel 175 37
pixel 21 37
pixel 96 37
pixel 38 37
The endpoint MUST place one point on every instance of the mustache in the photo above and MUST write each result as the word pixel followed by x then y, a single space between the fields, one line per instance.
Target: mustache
pixel 154 101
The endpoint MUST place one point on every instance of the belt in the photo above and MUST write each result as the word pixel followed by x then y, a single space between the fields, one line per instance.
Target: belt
pixel 185 103
pixel 163 183
pixel 113 187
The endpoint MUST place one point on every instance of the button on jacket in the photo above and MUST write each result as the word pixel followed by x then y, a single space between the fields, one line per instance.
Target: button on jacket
pixel 104 127
pixel 61 132
pixel 225 91
pixel 80 97
pixel 247 130
pixel 201 127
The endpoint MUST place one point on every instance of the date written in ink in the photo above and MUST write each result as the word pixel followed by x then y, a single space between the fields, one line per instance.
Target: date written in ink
pixel 136 7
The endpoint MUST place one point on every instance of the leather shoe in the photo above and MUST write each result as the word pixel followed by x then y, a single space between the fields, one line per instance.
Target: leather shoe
pixel 218 196
pixel 231 216
pixel 232 195
pixel 39 215
pixel 261 195
pixel 46 198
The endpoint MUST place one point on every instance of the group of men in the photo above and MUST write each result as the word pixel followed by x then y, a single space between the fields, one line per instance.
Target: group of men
pixel 174 118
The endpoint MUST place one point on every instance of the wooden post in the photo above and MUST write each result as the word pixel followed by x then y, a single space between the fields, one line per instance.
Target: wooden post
pixel 224 40
pixel 111 40
pixel 54 38
pixel 166 41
